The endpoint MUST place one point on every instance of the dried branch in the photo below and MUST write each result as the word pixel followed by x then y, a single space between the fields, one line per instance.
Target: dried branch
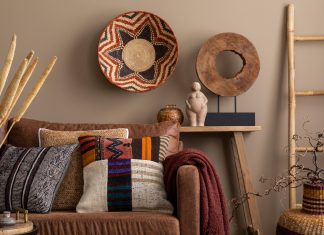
pixel 29 71
pixel 34 91
pixel 10 92
pixel 17 84
pixel 7 65
pixel 297 174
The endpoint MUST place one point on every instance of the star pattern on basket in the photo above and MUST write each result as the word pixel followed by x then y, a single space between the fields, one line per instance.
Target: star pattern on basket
pixel 122 30
pixel 125 37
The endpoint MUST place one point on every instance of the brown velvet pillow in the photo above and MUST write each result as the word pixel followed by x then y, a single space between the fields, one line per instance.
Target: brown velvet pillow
pixel 25 132
pixel 71 188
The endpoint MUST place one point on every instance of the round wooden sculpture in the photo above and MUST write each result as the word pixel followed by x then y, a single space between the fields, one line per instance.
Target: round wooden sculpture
pixel 137 51
pixel 207 68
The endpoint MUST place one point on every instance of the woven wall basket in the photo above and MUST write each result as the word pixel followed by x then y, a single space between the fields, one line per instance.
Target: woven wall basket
pixel 309 219
pixel 137 51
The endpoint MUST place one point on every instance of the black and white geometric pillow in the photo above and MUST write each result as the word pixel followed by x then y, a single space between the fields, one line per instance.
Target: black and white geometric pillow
pixel 30 177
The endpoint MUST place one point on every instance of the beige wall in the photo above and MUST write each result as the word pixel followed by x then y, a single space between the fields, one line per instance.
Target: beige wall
pixel 78 92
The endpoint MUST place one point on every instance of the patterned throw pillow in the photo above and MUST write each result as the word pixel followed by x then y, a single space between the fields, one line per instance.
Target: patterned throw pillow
pixel 71 189
pixel 123 174
pixel 30 177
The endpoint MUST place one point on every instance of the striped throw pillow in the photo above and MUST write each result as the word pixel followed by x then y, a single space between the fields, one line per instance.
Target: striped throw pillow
pixel 123 174
pixel 30 177
pixel 71 189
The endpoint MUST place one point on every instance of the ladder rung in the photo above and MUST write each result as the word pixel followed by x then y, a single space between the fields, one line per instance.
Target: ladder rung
pixel 309 149
pixel 309 93
pixel 309 38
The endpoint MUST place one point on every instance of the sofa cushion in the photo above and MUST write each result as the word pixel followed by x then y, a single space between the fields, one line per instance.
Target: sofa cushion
pixel 71 189
pixel 95 148
pixel 24 133
pixel 110 223
pixel 123 174
pixel 30 177
pixel 54 138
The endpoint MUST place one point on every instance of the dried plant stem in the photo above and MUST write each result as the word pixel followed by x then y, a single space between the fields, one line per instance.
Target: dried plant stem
pixel 7 65
pixel 11 91
pixel 34 91
pixel 6 136
pixel 30 97
pixel 30 56
pixel 29 71
pixel 297 175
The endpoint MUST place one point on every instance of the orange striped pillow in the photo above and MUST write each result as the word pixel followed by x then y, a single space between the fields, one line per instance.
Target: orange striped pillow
pixel 94 148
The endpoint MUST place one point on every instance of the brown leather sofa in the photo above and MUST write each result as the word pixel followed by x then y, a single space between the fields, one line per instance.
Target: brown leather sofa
pixel 185 222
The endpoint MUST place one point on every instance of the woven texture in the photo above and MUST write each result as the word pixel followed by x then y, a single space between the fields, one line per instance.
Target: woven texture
pixel 71 189
pixel 313 199
pixel 309 219
pixel 29 178
pixel 295 221
pixel 142 34
pixel 53 138
pixel 123 174
pixel 147 148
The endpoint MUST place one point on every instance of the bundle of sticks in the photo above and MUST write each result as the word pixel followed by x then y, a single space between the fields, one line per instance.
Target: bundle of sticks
pixel 17 84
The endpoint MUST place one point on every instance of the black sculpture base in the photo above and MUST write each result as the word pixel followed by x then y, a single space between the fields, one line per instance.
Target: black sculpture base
pixel 230 119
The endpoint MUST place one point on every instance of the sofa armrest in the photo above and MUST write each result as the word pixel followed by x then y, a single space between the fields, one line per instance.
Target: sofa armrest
pixel 188 200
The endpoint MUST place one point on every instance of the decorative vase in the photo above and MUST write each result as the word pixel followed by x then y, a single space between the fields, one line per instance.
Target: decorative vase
pixel 306 220
pixel 313 199
pixel 6 220
pixel 170 113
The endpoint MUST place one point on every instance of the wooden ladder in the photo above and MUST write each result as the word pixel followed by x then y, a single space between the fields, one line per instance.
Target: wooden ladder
pixel 292 93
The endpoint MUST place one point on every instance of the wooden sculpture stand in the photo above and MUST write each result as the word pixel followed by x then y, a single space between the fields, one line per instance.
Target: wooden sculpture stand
pixel 251 212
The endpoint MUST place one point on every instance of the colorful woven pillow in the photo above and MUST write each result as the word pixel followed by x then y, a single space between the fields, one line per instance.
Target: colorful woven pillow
pixel 71 189
pixel 30 177
pixel 123 174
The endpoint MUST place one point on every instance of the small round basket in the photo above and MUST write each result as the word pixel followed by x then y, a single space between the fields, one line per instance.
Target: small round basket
pixel 307 220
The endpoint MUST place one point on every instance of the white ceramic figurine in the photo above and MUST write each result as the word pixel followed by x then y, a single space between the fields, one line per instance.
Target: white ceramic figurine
pixel 196 106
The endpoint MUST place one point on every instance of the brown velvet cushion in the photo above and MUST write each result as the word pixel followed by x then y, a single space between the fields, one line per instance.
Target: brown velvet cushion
pixel 110 223
pixel 25 132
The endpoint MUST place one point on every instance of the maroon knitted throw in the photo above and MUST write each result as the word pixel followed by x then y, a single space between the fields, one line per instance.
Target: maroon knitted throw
pixel 213 210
